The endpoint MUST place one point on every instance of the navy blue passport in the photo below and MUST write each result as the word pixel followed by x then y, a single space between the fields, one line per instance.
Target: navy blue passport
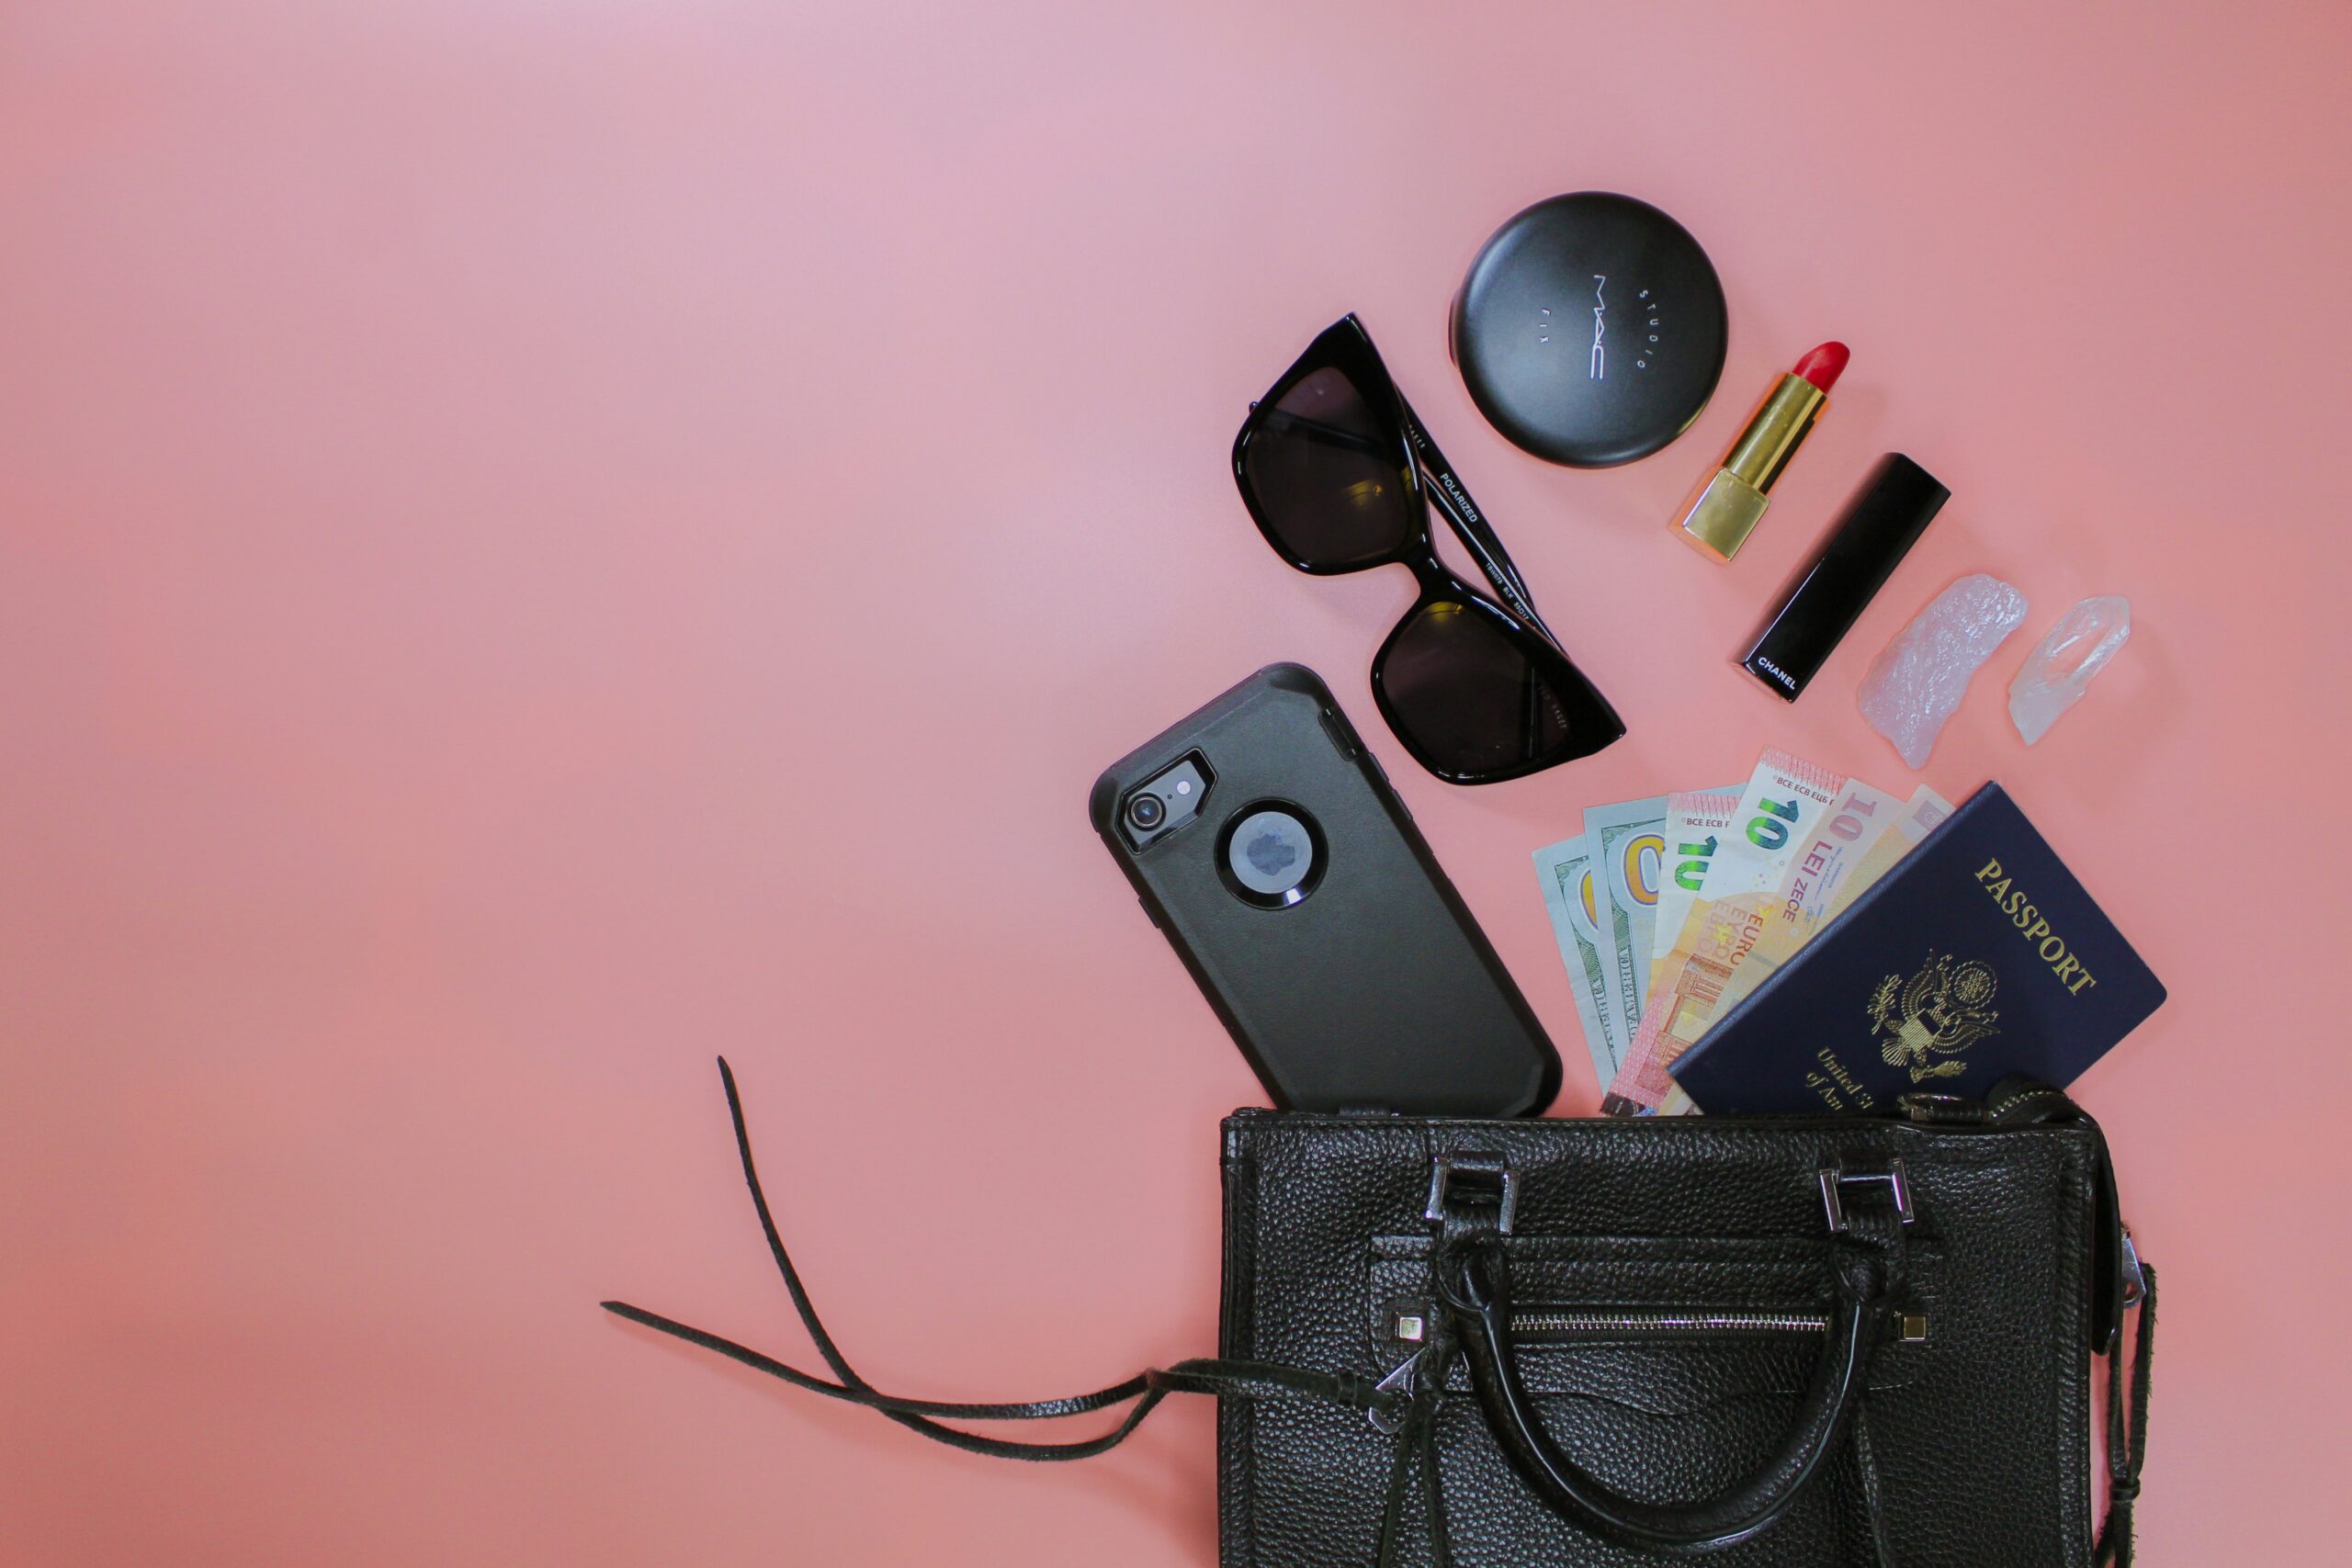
pixel 1976 956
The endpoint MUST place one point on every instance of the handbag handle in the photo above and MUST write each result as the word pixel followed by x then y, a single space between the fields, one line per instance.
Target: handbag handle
pixel 1473 1278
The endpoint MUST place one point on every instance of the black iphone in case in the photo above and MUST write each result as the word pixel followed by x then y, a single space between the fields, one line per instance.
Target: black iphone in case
pixel 1264 841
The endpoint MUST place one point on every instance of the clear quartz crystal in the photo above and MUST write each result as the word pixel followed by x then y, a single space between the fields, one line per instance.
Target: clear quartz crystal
pixel 2059 670
pixel 1920 677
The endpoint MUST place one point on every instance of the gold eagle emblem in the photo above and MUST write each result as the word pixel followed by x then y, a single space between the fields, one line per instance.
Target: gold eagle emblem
pixel 1939 1012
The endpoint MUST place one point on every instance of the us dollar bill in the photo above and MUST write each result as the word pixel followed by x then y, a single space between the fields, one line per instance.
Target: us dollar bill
pixel 1571 898
pixel 1627 841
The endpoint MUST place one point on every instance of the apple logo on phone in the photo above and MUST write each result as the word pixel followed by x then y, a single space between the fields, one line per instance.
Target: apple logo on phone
pixel 1272 855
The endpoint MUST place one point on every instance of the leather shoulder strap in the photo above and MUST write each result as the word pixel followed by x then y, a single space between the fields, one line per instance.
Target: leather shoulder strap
pixel 2120 1281
pixel 1230 1378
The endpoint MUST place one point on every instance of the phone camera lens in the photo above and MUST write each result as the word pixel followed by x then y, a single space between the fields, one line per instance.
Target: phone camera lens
pixel 1146 812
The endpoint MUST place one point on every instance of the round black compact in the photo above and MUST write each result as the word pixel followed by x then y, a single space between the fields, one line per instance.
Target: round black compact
pixel 1590 329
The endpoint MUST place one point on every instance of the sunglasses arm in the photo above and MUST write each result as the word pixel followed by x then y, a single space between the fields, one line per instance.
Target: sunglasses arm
pixel 1445 488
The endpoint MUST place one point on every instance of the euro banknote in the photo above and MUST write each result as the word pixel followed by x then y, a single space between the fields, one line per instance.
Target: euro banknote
pixel 1695 820
pixel 1838 865
pixel 1785 799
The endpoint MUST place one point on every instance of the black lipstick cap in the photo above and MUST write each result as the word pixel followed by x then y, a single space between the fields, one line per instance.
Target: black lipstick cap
pixel 1864 547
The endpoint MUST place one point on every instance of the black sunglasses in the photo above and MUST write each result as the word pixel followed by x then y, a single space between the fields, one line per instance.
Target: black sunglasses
pixel 1337 474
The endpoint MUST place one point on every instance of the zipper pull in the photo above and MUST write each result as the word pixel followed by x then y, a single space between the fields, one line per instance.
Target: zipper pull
pixel 1946 1109
pixel 1399 1381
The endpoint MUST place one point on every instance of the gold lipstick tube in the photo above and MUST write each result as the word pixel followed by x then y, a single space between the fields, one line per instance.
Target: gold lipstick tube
pixel 1724 509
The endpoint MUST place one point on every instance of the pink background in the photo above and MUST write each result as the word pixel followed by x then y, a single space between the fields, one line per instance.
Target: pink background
pixel 543 543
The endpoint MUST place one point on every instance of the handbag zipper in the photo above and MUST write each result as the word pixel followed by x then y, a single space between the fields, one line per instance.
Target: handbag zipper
pixel 1539 1322
pixel 1409 1322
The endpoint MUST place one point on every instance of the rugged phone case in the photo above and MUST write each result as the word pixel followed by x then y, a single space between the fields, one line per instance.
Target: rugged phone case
pixel 1376 991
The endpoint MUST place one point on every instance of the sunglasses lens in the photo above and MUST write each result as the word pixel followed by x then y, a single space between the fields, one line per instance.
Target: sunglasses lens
pixel 1478 703
pixel 1327 473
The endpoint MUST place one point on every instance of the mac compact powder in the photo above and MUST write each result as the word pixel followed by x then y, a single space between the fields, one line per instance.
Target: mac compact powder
pixel 1590 329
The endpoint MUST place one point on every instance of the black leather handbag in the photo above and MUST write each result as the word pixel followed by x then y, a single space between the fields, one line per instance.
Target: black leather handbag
pixel 1775 1340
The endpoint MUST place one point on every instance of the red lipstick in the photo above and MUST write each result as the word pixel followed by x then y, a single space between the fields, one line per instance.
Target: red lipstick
pixel 1823 365
pixel 1729 504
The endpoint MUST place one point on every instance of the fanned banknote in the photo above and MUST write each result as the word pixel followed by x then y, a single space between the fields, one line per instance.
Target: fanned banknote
pixel 1925 811
pixel 1570 898
pixel 1625 840
pixel 1785 798
pixel 1670 910
pixel 1828 872
pixel 1695 820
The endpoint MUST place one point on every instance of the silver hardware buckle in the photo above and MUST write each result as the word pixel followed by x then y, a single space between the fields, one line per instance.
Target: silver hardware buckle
pixel 2135 1278
pixel 1441 1175
pixel 1835 1176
